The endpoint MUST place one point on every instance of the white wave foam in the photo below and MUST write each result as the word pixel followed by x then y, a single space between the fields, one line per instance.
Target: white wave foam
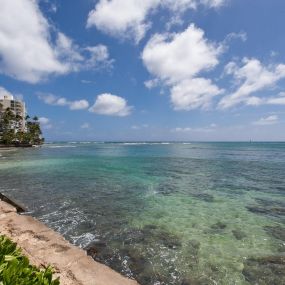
pixel 84 239
pixel 60 146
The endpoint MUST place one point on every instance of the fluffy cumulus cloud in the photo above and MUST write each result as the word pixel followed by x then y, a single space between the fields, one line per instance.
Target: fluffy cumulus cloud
pixel 129 18
pixel 27 52
pixel 251 78
pixel 45 123
pixel 178 56
pixel 122 17
pixel 270 120
pixel 111 105
pixel 194 93
pixel 51 99
pixel 176 60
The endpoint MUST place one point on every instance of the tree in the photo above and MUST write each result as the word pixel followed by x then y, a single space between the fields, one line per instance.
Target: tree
pixel 12 132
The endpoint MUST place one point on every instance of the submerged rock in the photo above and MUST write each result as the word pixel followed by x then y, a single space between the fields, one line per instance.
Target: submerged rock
pixel 265 270
pixel 125 252
pixel 203 196
pixel 219 226
pixel 197 281
pixel 268 210
pixel 167 189
pixel 239 234
pixel 277 232
pixel 99 251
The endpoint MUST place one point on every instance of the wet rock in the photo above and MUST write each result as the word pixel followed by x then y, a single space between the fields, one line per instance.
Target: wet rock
pixel 268 210
pixel 167 189
pixel 219 226
pixel 168 239
pixel 196 281
pixel 203 196
pixel 140 266
pixel 270 203
pixel 238 234
pixel 150 227
pixel 133 236
pixel 99 251
pixel 265 270
pixel 277 232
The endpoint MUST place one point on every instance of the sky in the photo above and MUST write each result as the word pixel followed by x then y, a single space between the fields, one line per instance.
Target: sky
pixel 152 70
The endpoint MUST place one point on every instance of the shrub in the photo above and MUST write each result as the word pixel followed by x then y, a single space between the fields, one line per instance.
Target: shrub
pixel 15 268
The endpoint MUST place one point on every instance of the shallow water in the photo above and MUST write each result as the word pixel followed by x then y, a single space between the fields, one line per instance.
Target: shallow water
pixel 199 213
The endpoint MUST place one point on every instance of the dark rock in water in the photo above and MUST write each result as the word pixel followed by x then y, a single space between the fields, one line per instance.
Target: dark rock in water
pixel 99 251
pixel 195 281
pixel 194 244
pixel 268 210
pixel 265 270
pixel 277 232
pixel 218 226
pixel 140 266
pixel 270 203
pixel 167 189
pixel 238 234
pixel 167 239
pixel 150 227
pixel 203 196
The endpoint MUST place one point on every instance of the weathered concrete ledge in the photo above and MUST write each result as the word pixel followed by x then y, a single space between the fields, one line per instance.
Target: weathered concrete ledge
pixel 45 247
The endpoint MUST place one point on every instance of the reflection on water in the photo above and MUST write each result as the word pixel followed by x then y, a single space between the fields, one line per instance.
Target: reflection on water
pixel 198 213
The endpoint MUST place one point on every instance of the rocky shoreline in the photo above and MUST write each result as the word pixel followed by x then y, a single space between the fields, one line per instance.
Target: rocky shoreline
pixel 45 247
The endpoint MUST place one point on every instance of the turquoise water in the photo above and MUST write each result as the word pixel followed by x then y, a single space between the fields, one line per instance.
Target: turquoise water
pixel 177 213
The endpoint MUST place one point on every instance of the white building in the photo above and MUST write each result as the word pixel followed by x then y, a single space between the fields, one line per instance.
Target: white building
pixel 16 106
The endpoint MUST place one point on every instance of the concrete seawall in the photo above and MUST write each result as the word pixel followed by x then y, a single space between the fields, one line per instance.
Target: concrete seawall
pixel 44 247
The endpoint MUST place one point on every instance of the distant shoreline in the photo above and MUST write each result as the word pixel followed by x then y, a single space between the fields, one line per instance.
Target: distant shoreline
pixel 8 146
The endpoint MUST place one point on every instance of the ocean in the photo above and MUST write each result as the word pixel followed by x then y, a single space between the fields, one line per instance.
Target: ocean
pixel 162 213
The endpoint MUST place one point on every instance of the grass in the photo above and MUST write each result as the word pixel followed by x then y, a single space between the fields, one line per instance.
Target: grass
pixel 15 268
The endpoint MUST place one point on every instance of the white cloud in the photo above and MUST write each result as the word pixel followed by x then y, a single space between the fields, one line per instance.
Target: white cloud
pixel 122 17
pixel 176 60
pixel 151 83
pixel 251 77
pixel 194 130
pixel 270 120
pixel 128 18
pixel 112 105
pixel 51 99
pixel 45 122
pixel 78 105
pixel 232 36
pixel 278 100
pixel 85 126
pixel 194 93
pixel 139 127
pixel 178 56
pixel 27 50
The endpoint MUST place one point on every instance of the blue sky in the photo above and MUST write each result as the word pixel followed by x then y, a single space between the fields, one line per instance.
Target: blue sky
pixel 147 70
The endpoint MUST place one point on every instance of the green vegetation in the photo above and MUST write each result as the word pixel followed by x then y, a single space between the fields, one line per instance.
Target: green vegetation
pixel 16 269
pixel 15 130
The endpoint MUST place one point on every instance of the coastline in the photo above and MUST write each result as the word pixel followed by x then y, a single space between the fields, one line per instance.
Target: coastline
pixel 9 146
pixel 44 247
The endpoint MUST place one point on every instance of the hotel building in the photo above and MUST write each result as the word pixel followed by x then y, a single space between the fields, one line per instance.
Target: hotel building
pixel 16 106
